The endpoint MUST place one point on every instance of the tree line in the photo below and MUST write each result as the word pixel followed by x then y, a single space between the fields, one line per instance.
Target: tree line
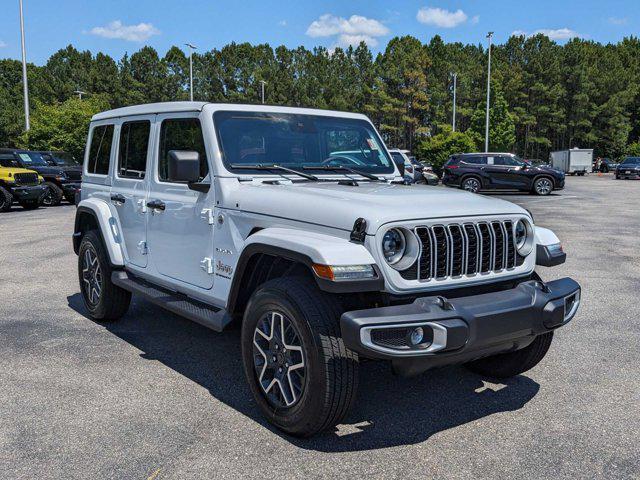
pixel 545 96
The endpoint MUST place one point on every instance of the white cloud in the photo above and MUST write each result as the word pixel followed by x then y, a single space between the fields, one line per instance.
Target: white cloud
pixel 349 31
pixel 282 23
pixel 475 19
pixel 553 34
pixel 618 21
pixel 132 33
pixel 2 44
pixel 441 17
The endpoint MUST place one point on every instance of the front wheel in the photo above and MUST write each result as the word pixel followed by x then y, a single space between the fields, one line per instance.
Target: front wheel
pixel 104 300
pixel 507 365
pixel 52 196
pixel 30 205
pixel 6 199
pixel 471 184
pixel 299 371
pixel 542 186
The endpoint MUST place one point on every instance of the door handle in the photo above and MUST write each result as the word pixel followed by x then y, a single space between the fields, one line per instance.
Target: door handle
pixel 118 199
pixel 156 205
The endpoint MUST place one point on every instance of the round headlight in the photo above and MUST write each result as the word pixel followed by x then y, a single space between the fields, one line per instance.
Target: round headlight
pixel 523 232
pixel 393 246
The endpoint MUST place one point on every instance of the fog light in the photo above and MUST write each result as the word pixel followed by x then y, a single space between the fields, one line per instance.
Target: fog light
pixel 416 336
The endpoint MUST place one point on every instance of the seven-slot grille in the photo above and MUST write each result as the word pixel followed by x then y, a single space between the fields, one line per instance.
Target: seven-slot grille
pixel 26 178
pixel 456 249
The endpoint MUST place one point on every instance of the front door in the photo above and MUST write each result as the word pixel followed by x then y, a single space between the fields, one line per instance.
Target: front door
pixel 130 185
pixel 180 236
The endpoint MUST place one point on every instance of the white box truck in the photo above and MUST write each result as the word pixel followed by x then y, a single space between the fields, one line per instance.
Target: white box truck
pixel 576 161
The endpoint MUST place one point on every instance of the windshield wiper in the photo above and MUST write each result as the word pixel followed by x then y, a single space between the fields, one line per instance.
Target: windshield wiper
pixel 260 166
pixel 339 168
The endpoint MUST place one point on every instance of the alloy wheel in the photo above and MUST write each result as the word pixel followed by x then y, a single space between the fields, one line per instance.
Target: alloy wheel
pixel 279 360
pixel 543 186
pixel 47 198
pixel 471 185
pixel 91 276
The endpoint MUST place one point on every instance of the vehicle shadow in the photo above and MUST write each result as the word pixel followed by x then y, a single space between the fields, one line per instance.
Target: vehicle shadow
pixel 389 410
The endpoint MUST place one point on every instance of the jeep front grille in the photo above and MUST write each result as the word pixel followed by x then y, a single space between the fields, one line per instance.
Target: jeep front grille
pixel 26 178
pixel 457 249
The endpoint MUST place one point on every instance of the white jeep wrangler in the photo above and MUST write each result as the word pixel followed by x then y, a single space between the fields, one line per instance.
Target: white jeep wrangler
pixel 296 223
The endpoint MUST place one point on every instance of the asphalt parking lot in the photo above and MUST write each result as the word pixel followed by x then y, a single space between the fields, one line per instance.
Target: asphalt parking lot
pixel 157 396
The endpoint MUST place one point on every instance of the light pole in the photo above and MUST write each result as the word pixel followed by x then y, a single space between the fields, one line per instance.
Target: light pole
pixel 486 127
pixel 453 121
pixel 80 93
pixel 262 84
pixel 191 49
pixel 25 86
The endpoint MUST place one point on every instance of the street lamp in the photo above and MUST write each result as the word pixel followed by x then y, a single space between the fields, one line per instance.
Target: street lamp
pixel 25 86
pixel 262 84
pixel 80 93
pixel 486 127
pixel 455 81
pixel 191 49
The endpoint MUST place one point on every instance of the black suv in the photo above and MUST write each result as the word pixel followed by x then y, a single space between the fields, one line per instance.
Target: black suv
pixel 499 171
pixel 60 180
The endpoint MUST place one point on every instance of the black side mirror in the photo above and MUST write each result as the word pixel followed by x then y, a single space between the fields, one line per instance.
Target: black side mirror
pixel 184 166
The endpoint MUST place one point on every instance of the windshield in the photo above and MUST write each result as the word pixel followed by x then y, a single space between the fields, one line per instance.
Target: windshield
pixel 63 158
pixel 631 161
pixel 32 158
pixel 299 141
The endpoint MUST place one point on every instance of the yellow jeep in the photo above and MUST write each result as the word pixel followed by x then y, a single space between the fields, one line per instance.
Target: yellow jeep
pixel 22 185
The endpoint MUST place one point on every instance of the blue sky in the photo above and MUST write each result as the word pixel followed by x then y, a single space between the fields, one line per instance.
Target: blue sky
pixel 120 26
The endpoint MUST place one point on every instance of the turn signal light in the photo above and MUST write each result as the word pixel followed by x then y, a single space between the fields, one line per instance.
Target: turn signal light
pixel 344 272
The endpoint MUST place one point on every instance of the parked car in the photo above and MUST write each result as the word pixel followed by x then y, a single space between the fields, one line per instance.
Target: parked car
pixel 499 171
pixel 629 168
pixel 60 181
pixel 20 185
pixel 256 215
pixel 412 170
pixel 607 165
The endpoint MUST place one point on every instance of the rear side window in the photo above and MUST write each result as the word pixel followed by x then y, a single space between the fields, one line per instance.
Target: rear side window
pixel 180 134
pixel 479 160
pixel 453 161
pixel 100 150
pixel 134 142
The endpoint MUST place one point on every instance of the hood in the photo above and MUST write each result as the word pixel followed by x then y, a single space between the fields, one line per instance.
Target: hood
pixel 5 171
pixel 46 170
pixel 338 206
pixel 70 168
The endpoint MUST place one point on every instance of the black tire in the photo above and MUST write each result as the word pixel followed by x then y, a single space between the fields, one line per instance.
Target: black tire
pixel 471 184
pixel 510 364
pixel 30 205
pixel 542 186
pixel 6 199
pixel 108 302
pixel 70 198
pixel 330 370
pixel 53 195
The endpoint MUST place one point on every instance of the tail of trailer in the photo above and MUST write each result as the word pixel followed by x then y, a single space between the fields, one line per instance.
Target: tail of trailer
pixel 576 161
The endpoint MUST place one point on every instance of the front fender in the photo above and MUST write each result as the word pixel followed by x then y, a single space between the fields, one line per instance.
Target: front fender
pixel 548 248
pixel 107 224
pixel 318 247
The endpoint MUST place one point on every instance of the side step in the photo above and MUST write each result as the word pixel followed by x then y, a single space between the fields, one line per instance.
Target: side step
pixel 206 315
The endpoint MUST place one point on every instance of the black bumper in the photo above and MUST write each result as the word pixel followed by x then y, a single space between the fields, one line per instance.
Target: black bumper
pixel 27 193
pixel 460 329
pixel 70 188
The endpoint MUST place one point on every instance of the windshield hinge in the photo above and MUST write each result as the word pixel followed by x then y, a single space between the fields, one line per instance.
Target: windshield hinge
pixel 207 265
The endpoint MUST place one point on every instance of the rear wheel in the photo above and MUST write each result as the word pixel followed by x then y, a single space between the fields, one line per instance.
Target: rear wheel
pixel 513 363
pixel 471 184
pixel 6 199
pixel 53 195
pixel 302 376
pixel 542 186
pixel 104 300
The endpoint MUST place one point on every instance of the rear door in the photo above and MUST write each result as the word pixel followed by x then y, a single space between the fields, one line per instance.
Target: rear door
pixel 130 185
pixel 509 172
pixel 180 237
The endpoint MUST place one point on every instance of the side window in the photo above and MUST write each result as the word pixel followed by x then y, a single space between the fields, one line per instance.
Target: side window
pixel 134 142
pixel 489 160
pixel 180 134
pixel 100 150
pixel 509 161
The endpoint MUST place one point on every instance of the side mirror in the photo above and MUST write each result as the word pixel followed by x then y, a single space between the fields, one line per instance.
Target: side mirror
pixel 184 166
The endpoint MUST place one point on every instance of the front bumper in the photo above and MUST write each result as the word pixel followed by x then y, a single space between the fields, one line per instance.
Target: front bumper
pixel 631 174
pixel 28 193
pixel 461 329
pixel 70 188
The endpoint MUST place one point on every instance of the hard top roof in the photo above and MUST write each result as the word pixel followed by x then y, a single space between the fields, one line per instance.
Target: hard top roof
pixel 173 107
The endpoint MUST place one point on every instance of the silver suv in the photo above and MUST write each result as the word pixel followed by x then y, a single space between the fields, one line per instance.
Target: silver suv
pixel 294 223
